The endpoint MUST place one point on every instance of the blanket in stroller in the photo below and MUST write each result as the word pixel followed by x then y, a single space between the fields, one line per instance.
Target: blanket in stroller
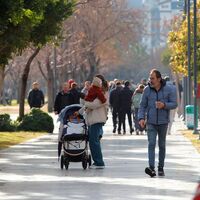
pixel 73 128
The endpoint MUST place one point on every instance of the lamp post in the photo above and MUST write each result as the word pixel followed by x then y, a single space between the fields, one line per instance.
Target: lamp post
pixel 185 78
pixel 195 68
pixel 189 52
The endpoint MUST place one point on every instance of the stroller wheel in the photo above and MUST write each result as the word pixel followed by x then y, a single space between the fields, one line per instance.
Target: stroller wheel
pixel 89 160
pixel 84 163
pixel 66 163
pixel 61 162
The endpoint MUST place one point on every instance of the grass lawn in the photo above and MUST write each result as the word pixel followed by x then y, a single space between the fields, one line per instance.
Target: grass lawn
pixel 194 138
pixel 11 138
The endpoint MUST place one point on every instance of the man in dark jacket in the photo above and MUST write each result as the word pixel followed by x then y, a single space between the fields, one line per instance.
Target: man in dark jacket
pixel 35 96
pixel 157 100
pixel 125 107
pixel 62 99
pixel 115 105
pixel 75 95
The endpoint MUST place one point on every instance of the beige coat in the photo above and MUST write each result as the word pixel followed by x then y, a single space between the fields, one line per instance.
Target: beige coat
pixel 96 112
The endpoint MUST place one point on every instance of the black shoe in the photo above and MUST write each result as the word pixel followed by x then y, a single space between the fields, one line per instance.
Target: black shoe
pixel 161 171
pixel 119 132
pixel 114 130
pixel 150 171
pixel 131 131
pixel 124 132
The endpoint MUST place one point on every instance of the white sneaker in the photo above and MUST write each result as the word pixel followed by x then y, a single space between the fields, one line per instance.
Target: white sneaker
pixel 97 167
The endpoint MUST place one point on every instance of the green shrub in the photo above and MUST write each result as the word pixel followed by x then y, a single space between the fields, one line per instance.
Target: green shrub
pixel 6 124
pixel 37 120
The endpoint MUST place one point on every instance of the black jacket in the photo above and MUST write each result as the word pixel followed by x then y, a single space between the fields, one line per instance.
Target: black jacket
pixel 62 100
pixel 74 96
pixel 35 98
pixel 114 99
pixel 125 98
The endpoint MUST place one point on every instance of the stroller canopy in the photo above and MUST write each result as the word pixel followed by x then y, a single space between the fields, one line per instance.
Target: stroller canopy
pixel 67 111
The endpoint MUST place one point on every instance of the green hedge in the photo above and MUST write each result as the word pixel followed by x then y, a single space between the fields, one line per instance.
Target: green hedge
pixel 6 124
pixel 37 120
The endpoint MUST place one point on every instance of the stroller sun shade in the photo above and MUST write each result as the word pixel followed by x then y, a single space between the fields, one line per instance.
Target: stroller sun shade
pixel 68 111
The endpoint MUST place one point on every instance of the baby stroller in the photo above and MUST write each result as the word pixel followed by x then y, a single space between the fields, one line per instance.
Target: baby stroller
pixel 73 145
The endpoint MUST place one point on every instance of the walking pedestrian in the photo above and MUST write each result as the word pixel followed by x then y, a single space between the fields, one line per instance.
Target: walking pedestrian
pixel 172 111
pixel 74 94
pixel 35 96
pixel 86 87
pixel 85 90
pixel 61 101
pixel 136 98
pixel 114 102
pixel 125 108
pixel 158 98
pixel 62 98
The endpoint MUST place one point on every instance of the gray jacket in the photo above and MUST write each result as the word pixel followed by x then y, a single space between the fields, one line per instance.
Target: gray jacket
pixel 148 110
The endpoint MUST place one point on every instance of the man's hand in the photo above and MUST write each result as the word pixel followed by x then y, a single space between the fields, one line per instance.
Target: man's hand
pixel 142 123
pixel 160 105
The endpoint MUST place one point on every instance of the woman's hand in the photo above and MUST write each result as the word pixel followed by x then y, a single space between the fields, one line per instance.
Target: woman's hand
pixel 76 114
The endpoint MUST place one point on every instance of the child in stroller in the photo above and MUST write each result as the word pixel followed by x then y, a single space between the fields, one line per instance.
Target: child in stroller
pixel 73 138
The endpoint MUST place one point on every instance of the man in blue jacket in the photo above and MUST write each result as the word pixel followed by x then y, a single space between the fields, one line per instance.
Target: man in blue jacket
pixel 157 100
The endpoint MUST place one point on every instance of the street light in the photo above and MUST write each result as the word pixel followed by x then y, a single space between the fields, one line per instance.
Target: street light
pixel 195 68
pixel 189 52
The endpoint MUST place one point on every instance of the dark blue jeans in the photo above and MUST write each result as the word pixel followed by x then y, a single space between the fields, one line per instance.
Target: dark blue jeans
pixel 95 131
pixel 152 132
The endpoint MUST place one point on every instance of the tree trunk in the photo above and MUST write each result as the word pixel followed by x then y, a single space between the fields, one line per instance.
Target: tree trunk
pixel 50 84
pixel 1 80
pixel 93 65
pixel 24 83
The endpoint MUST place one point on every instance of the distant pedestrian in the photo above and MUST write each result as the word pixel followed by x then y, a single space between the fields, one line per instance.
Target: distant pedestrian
pixel 61 101
pixel 62 98
pixel 85 90
pixel 75 94
pixel 143 81
pixel 114 101
pixel 157 99
pixel 172 111
pixel 86 87
pixel 125 107
pixel 35 96
pixel 136 98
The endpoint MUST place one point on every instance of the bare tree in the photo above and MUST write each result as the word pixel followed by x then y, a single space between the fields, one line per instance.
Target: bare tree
pixel 95 26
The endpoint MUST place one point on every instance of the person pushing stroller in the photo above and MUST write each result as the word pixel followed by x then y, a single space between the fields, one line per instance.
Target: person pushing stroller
pixel 95 111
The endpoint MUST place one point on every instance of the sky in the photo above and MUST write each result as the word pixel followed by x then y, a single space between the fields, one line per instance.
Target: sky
pixel 135 3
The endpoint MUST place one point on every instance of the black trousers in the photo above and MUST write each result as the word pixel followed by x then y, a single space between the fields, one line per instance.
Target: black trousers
pixel 116 117
pixel 123 114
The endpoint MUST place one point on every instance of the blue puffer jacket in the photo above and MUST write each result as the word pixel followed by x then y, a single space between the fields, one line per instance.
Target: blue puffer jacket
pixel 166 94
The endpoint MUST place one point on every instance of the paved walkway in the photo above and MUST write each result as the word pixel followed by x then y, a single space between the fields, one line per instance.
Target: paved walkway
pixel 31 171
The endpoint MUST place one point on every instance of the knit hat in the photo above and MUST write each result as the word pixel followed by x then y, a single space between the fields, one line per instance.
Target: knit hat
pixel 70 81
pixel 97 82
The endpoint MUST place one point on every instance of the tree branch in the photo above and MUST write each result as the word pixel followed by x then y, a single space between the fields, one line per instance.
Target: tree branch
pixel 40 68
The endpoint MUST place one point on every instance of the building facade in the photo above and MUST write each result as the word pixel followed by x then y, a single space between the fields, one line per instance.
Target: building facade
pixel 159 16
